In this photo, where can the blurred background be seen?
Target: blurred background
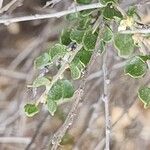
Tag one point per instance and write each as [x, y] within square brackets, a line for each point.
[20, 44]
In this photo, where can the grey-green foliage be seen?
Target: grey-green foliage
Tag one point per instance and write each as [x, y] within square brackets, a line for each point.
[83, 31]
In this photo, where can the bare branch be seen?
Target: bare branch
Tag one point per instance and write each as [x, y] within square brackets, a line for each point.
[7, 21]
[141, 31]
[106, 102]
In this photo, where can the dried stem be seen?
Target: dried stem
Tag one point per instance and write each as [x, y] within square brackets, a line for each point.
[7, 21]
[69, 120]
[106, 102]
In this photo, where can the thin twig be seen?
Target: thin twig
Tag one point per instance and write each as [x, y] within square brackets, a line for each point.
[69, 120]
[7, 21]
[142, 31]
[106, 102]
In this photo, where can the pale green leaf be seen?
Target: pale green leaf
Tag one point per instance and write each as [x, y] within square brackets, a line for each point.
[83, 1]
[31, 110]
[75, 72]
[136, 67]
[42, 61]
[57, 51]
[144, 95]
[110, 12]
[77, 35]
[60, 90]
[106, 34]
[124, 44]
[65, 37]
[89, 40]
[52, 106]
[40, 81]
[108, 1]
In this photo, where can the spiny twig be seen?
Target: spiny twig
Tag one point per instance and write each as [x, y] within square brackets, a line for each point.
[7, 21]
[105, 98]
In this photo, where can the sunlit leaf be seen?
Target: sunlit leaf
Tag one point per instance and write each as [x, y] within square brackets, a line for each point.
[110, 12]
[124, 44]
[108, 1]
[83, 1]
[106, 34]
[31, 110]
[77, 35]
[40, 81]
[57, 51]
[52, 106]
[60, 90]
[65, 37]
[84, 56]
[89, 40]
[136, 67]
[42, 61]
[144, 95]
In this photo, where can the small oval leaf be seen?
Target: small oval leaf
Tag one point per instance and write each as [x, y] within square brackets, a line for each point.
[65, 37]
[42, 61]
[31, 110]
[89, 40]
[144, 95]
[52, 106]
[124, 44]
[110, 12]
[40, 81]
[77, 35]
[136, 67]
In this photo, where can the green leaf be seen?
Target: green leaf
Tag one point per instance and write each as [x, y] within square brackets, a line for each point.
[89, 40]
[106, 34]
[144, 95]
[42, 61]
[68, 89]
[31, 110]
[83, 1]
[108, 1]
[77, 35]
[60, 90]
[65, 37]
[86, 13]
[131, 11]
[40, 81]
[145, 57]
[84, 56]
[52, 106]
[84, 22]
[57, 51]
[76, 68]
[72, 16]
[75, 72]
[110, 12]
[136, 67]
[124, 44]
